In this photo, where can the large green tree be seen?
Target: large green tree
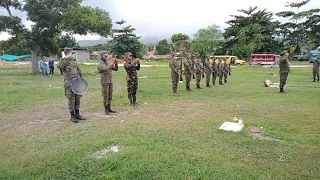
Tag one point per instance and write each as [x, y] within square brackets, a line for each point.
[181, 43]
[51, 18]
[303, 27]
[163, 47]
[125, 41]
[252, 32]
[206, 41]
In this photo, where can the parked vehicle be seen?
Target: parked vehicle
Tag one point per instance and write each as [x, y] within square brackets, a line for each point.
[233, 60]
[263, 59]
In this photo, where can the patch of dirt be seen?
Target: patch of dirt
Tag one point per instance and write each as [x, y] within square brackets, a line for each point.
[44, 121]
[255, 133]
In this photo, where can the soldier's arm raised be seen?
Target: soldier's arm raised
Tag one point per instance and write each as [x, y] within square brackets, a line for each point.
[138, 66]
[102, 67]
[62, 64]
[115, 66]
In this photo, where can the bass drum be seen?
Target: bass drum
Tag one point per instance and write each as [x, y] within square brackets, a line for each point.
[79, 86]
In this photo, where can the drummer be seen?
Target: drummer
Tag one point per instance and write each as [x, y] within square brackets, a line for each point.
[71, 71]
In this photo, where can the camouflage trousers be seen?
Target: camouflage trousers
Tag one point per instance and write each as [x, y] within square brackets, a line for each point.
[208, 76]
[220, 76]
[225, 76]
[198, 78]
[283, 79]
[214, 77]
[107, 89]
[175, 81]
[315, 74]
[132, 86]
[73, 99]
[188, 79]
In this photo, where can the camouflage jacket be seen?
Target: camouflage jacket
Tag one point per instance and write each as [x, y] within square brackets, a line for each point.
[198, 66]
[187, 68]
[105, 69]
[226, 67]
[221, 67]
[174, 67]
[284, 64]
[70, 70]
[132, 68]
[191, 64]
[208, 66]
[316, 63]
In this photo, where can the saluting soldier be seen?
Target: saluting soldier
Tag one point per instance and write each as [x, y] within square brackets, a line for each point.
[284, 70]
[175, 72]
[198, 71]
[71, 71]
[208, 70]
[132, 66]
[315, 72]
[187, 73]
[105, 68]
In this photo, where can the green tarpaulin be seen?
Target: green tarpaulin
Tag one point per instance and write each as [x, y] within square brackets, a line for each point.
[8, 57]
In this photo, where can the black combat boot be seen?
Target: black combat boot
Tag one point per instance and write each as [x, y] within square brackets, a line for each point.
[73, 117]
[225, 81]
[78, 116]
[282, 91]
[110, 110]
[106, 109]
[188, 89]
[314, 79]
[208, 86]
[317, 80]
[213, 83]
[220, 83]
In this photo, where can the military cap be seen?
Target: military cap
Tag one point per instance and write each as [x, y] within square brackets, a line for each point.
[282, 53]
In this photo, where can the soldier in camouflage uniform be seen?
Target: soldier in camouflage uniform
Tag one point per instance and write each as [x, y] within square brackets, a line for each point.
[175, 72]
[198, 71]
[105, 69]
[132, 66]
[214, 66]
[187, 73]
[71, 71]
[315, 72]
[227, 70]
[284, 70]
[220, 70]
[208, 70]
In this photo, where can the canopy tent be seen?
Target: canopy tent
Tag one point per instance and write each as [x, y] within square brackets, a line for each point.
[8, 57]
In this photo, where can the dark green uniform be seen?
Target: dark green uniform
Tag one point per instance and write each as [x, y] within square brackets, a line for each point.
[105, 69]
[187, 73]
[71, 71]
[315, 69]
[284, 70]
[131, 68]
[198, 72]
[174, 65]
[208, 71]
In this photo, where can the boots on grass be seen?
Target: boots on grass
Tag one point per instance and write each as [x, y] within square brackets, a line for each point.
[282, 91]
[110, 110]
[106, 109]
[220, 83]
[208, 86]
[73, 117]
[78, 116]
[225, 81]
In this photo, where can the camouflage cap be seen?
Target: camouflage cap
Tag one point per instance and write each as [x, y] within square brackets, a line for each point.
[128, 54]
[282, 53]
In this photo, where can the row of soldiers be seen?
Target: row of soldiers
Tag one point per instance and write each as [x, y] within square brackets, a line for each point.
[194, 66]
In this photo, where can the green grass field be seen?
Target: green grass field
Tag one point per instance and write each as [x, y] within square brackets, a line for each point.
[165, 136]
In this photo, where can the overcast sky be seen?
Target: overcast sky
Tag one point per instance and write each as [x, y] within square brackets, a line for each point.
[166, 17]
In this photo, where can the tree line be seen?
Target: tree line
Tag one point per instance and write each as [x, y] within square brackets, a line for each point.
[250, 32]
